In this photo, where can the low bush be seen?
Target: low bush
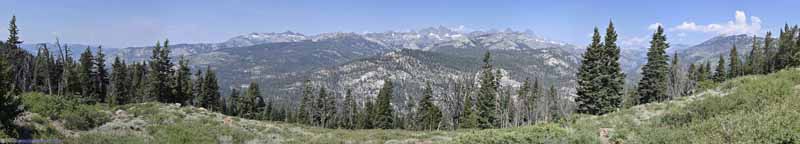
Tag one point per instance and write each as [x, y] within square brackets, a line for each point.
[47, 105]
[85, 117]
[548, 133]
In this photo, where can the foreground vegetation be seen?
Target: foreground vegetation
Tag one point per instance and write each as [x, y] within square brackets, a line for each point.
[750, 109]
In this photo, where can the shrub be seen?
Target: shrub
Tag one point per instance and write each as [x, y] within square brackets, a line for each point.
[47, 105]
[549, 133]
[85, 117]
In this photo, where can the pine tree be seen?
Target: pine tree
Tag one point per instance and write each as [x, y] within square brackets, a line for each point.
[10, 105]
[18, 59]
[678, 85]
[248, 104]
[41, 73]
[766, 61]
[86, 76]
[588, 87]
[430, 114]
[783, 57]
[139, 82]
[734, 67]
[553, 109]
[384, 117]
[305, 104]
[487, 94]
[101, 77]
[524, 94]
[653, 86]
[234, 104]
[719, 73]
[707, 75]
[367, 115]
[350, 110]
[183, 82]
[469, 118]
[754, 60]
[612, 79]
[197, 89]
[210, 92]
[327, 108]
[120, 85]
[160, 76]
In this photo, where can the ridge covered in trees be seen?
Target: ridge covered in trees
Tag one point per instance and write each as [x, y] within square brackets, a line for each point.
[481, 102]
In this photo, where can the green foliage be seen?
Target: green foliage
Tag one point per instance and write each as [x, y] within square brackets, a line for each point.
[735, 66]
[302, 114]
[183, 82]
[720, 73]
[384, 117]
[85, 117]
[430, 113]
[101, 81]
[10, 105]
[653, 85]
[210, 92]
[537, 134]
[487, 96]
[120, 86]
[47, 105]
[600, 78]
[469, 118]
[86, 77]
[160, 76]
[102, 137]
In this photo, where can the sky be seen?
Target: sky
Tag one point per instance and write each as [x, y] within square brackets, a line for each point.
[123, 23]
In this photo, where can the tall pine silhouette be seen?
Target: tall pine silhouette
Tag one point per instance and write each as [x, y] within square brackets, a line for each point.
[653, 85]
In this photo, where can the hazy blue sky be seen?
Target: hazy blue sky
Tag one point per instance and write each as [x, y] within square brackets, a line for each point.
[122, 23]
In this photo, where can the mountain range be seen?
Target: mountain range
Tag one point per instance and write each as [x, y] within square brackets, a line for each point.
[280, 62]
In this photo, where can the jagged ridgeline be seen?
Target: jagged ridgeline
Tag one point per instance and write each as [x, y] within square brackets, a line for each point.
[281, 61]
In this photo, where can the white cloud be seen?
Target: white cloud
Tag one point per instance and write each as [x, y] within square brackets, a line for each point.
[654, 26]
[635, 42]
[738, 26]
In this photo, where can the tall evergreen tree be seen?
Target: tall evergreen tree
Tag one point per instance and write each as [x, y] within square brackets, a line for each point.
[101, 76]
[755, 59]
[587, 90]
[160, 76]
[553, 106]
[469, 118]
[612, 79]
[783, 57]
[248, 104]
[720, 74]
[234, 104]
[653, 86]
[327, 108]
[183, 81]
[350, 110]
[766, 62]
[735, 66]
[197, 88]
[139, 82]
[430, 114]
[210, 93]
[120, 85]
[86, 76]
[18, 59]
[42, 70]
[10, 105]
[305, 104]
[487, 96]
[524, 94]
[384, 117]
